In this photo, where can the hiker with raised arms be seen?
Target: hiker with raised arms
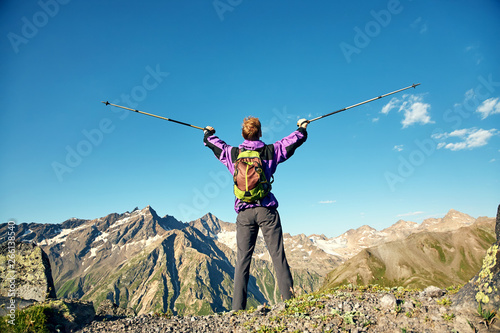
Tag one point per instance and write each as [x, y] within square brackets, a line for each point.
[252, 165]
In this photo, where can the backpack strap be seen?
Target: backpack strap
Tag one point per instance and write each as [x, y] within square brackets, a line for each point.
[235, 151]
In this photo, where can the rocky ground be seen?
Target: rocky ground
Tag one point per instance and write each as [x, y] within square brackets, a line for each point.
[346, 309]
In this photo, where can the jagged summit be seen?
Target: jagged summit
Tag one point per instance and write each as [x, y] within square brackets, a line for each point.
[401, 224]
[456, 216]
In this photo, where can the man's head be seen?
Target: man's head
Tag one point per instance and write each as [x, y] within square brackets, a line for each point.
[251, 129]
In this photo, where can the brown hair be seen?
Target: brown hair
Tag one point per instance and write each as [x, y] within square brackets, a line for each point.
[251, 129]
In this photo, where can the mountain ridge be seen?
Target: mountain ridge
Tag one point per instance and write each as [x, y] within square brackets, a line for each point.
[421, 259]
[151, 263]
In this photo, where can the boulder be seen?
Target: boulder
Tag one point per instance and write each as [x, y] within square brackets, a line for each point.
[433, 291]
[69, 315]
[388, 301]
[108, 309]
[25, 272]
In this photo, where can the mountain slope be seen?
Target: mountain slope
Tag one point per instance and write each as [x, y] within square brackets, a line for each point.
[420, 260]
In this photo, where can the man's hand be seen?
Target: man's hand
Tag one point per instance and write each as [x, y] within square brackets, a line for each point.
[302, 123]
[209, 130]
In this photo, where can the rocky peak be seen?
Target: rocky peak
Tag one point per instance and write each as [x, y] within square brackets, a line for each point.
[430, 222]
[458, 217]
[365, 228]
[148, 210]
[402, 224]
[208, 225]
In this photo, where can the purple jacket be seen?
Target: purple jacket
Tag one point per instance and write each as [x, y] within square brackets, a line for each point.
[271, 155]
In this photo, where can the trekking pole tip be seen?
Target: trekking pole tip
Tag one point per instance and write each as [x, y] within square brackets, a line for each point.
[107, 103]
[415, 85]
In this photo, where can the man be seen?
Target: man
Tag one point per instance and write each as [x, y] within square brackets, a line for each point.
[261, 213]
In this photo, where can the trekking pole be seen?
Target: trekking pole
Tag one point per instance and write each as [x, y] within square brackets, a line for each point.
[153, 115]
[370, 100]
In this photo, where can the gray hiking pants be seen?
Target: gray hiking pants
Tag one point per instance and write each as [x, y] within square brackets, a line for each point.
[247, 229]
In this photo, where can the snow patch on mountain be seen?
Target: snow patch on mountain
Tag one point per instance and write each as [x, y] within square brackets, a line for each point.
[143, 242]
[102, 237]
[26, 233]
[61, 236]
[330, 245]
[227, 238]
[93, 251]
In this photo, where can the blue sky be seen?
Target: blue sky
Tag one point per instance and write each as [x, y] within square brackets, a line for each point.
[409, 156]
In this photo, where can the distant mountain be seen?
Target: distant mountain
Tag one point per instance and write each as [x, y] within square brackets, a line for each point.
[150, 263]
[353, 241]
[424, 258]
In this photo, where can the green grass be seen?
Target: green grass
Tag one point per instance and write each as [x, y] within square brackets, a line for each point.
[34, 319]
[205, 309]
[440, 251]
[444, 301]
[488, 316]
[448, 316]
[69, 287]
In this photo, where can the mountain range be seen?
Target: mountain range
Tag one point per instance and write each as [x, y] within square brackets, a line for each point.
[150, 263]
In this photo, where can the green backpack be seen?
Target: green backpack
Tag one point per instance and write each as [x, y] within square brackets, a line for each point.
[250, 183]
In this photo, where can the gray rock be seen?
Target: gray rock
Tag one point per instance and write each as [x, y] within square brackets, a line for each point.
[433, 291]
[25, 270]
[19, 303]
[408, 306]
[108, 309]
[388, 301]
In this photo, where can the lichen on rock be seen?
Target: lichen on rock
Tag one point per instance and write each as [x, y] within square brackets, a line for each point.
[25, 270]
[485, 280]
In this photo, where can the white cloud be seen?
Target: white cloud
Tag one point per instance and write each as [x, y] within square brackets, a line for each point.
[398, 147]
[459, 133]
[374, 120]
[414, 109]
[489, 107]
[438, 136]
[389, 106]
[327, 201]
[470, 138]
[416, 112]
[409, 214]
